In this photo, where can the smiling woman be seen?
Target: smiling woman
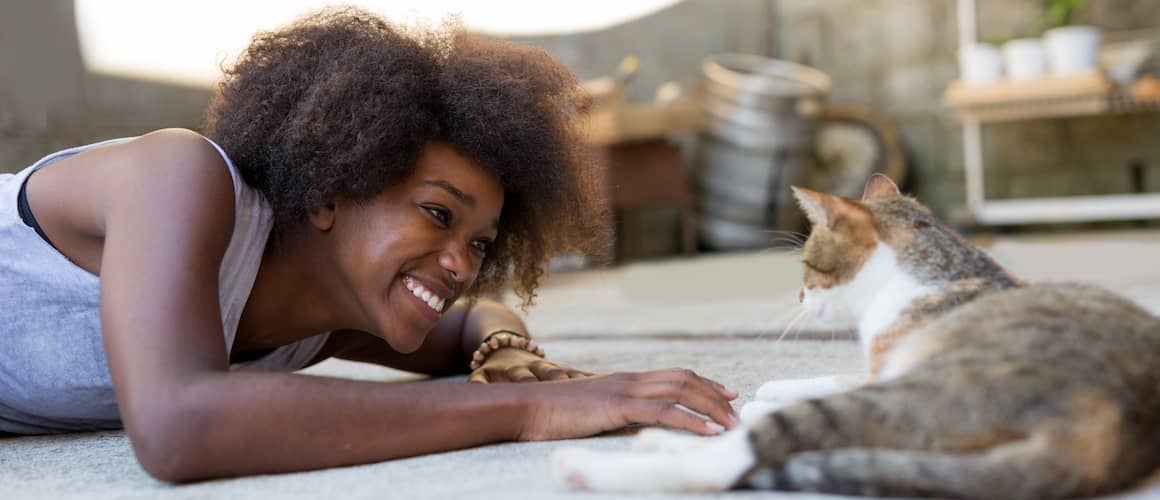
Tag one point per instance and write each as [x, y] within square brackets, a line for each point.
[356, 189]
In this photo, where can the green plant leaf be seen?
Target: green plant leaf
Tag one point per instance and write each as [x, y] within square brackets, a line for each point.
[1061, 12]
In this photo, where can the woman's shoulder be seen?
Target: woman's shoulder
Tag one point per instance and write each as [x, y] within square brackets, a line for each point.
[167, 184]
[173, 173]
[176, 148]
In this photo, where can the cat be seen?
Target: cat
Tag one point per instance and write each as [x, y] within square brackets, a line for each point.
[979, 385]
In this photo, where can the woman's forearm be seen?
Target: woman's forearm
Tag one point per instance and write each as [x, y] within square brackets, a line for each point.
[235, 424]
[448, 347]
[483, 318]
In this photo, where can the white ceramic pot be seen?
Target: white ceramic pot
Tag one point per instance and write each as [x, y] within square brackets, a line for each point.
[980, 63]
[1072, 50]
[1023, 59]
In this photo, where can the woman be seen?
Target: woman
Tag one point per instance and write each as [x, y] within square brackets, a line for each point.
[355, 187]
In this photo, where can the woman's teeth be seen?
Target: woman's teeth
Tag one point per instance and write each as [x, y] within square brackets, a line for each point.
[433, 301]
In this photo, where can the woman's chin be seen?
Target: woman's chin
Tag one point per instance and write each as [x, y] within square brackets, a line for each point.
[406, 345]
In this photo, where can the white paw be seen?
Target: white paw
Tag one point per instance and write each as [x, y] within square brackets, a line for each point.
[598, 470]
[794, 390]
[755, 410]
[568, 465]
[663, 441]
[785, 390]
[715, 465]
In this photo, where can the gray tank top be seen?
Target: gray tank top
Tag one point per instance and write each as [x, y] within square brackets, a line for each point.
[53, 372]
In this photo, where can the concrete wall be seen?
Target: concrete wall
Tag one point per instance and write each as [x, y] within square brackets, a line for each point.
[894, 55]
[48, 101]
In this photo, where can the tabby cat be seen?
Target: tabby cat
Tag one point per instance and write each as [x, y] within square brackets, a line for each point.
[979, 385]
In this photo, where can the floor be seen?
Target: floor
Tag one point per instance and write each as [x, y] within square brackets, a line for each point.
[729, 317]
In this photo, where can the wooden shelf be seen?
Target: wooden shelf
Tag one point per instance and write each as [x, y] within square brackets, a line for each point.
[1087, 94]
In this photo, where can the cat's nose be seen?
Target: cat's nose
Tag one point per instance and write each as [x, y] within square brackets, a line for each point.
[801, 295]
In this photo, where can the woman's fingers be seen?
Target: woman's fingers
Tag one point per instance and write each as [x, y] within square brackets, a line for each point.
[697, 396]
[549, 371]
[574, 373]
[477, 377]
[521, 374]
[729, 394]
[681, 373]
[686, 381]
[658, 412]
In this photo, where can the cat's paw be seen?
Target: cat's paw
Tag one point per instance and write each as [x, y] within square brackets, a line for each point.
[783, 391]
[664, 441]
[599, 470]
[716, 465]
[755, 410]
[568, 466]
[794, 390]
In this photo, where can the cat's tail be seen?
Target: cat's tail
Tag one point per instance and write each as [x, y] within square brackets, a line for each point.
[1029, 468]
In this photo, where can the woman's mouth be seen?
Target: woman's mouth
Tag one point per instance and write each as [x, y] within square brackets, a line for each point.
[433, 301]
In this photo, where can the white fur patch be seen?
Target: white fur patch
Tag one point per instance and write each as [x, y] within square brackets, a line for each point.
[777, 394]
[716, 465]
[874, 298]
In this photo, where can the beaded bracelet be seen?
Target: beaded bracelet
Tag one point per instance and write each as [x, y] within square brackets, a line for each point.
[500, 339]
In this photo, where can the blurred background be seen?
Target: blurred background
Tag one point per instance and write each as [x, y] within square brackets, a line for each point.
[1003, 116]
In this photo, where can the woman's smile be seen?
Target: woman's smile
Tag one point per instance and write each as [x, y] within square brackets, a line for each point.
[427, 298]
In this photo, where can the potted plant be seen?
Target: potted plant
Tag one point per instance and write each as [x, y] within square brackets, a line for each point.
[1071, 49]
[980, 63]
[1024, 59]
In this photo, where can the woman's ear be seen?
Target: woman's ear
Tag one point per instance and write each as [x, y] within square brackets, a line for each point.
[322, 218]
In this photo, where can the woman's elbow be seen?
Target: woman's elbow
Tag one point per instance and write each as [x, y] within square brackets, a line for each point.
[170, 444]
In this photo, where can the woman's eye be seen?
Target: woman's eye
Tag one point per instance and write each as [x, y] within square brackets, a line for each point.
[481, 245]
[441, 215]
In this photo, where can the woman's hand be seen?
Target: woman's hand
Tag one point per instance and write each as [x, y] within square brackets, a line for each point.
[577, 408]
[517, 365]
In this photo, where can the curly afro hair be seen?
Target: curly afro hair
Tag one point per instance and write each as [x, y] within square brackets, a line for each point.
[341, 103]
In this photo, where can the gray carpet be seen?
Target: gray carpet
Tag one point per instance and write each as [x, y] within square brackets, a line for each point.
[102, 466]
[720, 315]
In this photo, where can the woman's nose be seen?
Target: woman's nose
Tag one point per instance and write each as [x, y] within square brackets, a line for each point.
[456, 260]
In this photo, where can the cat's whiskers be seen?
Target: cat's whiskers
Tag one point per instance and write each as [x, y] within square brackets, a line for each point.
[794, 238]
[801, 313]
[778, 319]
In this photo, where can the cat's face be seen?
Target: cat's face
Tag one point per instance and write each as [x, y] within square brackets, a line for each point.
[843, 238]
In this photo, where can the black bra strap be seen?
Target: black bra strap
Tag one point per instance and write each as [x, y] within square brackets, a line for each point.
[26, 212]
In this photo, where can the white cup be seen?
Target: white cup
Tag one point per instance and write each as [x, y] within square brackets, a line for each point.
[1024, 59]
[980, 63]
[1072, 50]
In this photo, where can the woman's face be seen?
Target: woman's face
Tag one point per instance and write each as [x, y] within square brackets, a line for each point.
[410, 253]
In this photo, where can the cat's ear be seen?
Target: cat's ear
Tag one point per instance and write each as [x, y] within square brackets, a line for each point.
[878, 187]
[827, 210]
[818, 207]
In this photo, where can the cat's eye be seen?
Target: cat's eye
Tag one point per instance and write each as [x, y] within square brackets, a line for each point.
[815, 267]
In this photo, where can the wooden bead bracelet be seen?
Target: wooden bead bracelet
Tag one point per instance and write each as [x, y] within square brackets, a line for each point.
[501, 339]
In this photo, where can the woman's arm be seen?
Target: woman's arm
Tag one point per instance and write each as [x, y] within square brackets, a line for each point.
[447, 348]
[168, 218]
[187, 416]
